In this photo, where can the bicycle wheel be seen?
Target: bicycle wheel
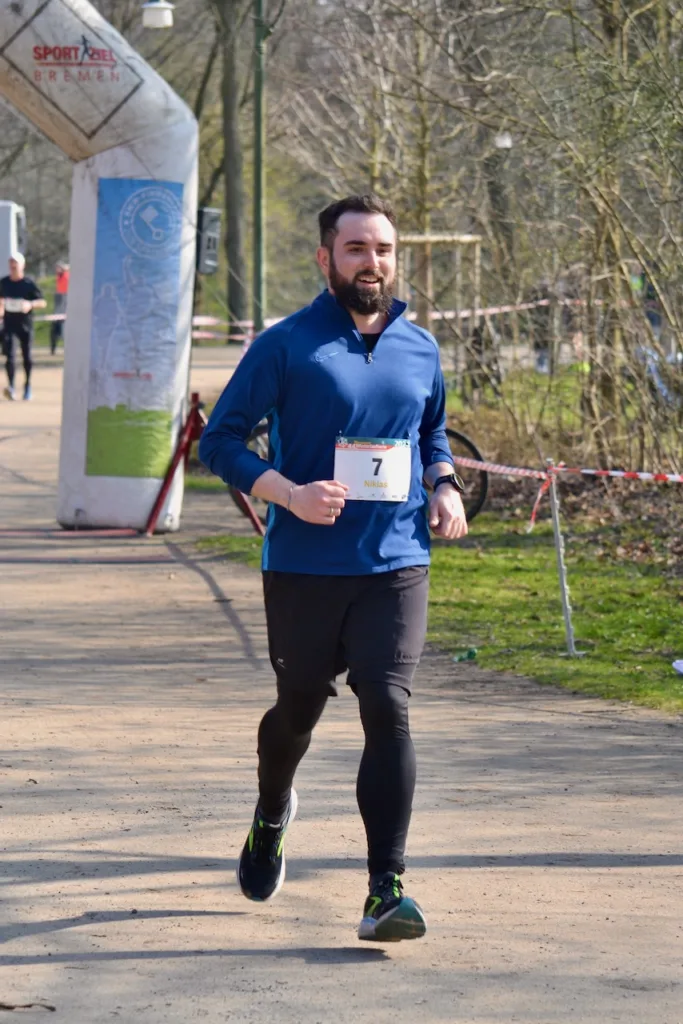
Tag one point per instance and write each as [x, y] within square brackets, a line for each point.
[476, 480]
[257, 442]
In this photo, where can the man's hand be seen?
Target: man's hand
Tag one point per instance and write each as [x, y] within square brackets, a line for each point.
[321, 502]
[26, 306]
[447, 513]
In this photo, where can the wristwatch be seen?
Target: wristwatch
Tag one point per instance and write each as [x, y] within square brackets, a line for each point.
[453, 479]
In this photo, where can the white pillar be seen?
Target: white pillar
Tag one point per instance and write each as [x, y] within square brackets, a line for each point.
[132, 253]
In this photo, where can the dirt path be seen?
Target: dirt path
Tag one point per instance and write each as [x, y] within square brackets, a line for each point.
[546, 846]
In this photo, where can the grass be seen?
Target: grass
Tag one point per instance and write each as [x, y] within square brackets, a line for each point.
[204, 484]
[498, 591]
[238, 549]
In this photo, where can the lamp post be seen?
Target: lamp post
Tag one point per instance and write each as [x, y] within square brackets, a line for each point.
[157, 14]
[259, 279]
[499, 196]
[498, 192]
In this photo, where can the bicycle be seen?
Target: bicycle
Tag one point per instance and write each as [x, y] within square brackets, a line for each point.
[476, 480]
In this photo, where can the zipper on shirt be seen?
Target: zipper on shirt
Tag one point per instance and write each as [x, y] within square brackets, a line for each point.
[366, 351]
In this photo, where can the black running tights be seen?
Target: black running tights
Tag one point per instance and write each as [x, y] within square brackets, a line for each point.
[386, 777]
[25, 340]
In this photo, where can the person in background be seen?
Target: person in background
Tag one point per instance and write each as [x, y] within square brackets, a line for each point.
[19, 296]
[61, 290]
[540, 323]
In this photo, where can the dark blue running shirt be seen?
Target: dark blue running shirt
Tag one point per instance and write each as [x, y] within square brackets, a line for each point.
[312, 376]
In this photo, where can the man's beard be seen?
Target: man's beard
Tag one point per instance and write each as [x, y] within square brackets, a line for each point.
[360, 300]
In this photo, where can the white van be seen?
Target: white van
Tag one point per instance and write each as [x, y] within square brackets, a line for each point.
[12, 232]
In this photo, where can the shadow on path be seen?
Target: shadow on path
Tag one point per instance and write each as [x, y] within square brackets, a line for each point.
[9, 932]
[323, 955]
[222, 599]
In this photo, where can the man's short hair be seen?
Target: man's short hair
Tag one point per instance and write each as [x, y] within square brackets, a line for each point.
[19, 258]
[369, 203]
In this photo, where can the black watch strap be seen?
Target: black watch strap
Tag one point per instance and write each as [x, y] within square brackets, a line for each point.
[453, 479]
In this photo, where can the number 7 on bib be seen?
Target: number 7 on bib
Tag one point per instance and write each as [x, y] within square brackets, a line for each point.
[373, 468]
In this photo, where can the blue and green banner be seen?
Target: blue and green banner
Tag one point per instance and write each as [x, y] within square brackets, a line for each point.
[136, 293]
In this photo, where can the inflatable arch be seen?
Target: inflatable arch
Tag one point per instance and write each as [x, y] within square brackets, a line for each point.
[132, 253]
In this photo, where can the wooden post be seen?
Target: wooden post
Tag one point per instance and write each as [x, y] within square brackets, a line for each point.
[477, 283]
[457, 344]
[423, 283]
[401, 274]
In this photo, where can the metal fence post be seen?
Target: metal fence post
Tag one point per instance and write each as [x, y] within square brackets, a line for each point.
[561, 567]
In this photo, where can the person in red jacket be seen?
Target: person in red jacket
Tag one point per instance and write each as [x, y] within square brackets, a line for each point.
[61, 290]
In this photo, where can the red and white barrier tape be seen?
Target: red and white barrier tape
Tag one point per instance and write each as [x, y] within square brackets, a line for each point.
[623, 474]
[545, 475]
[494, 467]
[201, 320]
[543, 489]
[541, 474]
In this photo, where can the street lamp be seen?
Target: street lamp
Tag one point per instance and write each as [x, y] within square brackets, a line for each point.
[496, 168]
[157, 14]
[261, 33]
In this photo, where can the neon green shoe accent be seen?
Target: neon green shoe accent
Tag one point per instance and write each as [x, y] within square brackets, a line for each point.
[372, 906]
[261, 866]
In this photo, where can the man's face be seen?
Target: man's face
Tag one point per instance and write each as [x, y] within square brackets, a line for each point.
[16, 270]
[362, 265]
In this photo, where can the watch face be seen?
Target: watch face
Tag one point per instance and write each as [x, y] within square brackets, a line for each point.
[454, 480]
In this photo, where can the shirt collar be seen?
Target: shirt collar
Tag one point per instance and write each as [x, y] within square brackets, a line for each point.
[327, 301]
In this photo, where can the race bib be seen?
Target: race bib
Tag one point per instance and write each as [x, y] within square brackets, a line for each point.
[373, 468]
[14, 305]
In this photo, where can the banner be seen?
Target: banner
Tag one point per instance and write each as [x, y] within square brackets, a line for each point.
[133, 340]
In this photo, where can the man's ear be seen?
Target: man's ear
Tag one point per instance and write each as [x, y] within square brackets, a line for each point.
[323, 260]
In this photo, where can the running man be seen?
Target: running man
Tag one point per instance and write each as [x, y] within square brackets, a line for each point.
[355, 400]
[19, 296]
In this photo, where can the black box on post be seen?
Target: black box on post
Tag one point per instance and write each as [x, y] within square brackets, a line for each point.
[208, 239]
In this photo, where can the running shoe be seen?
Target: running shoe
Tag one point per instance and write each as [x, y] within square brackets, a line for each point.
[261, 870]
[10, 393]
[389, 915]
[27, 393]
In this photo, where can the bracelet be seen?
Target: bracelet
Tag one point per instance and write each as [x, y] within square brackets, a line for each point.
[289, 499]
